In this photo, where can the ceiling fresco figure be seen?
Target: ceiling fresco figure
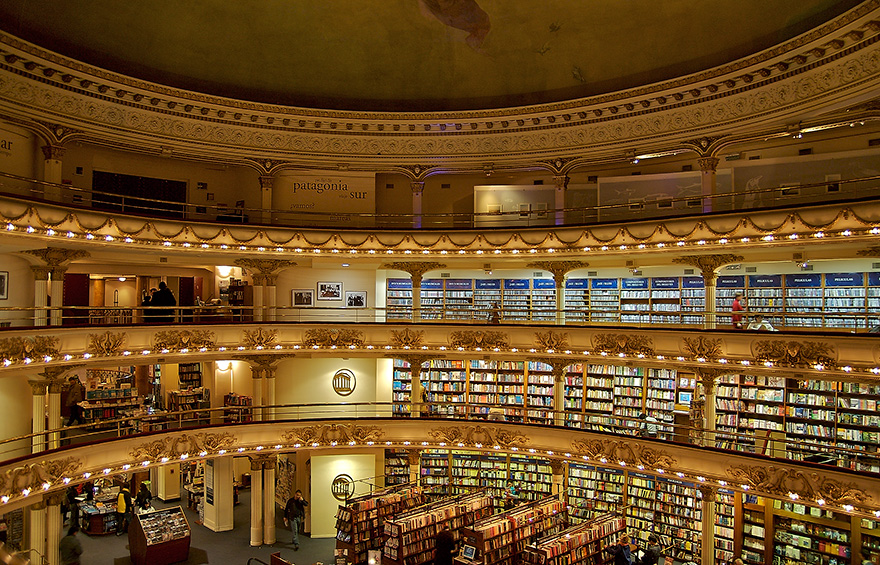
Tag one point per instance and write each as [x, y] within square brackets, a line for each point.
[461, 14]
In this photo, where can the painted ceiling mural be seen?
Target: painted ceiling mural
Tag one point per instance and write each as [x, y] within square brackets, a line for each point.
[410, 55]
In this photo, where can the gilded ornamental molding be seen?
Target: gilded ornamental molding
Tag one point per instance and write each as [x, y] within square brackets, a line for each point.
[54, 257]
[106, 344]
[551, 341]
[479, 436]
[327, 434]
[183, 339]
[407, 338]
[474, 339]
[416, 269]
[795, 353]
[173, 446]
[329, 337]
[702, 347]
[709, 263]
[260, 338]
[615, 344]
[33, 476]
[627, 451]
[810, 486]
[18, 349]
[558, 268]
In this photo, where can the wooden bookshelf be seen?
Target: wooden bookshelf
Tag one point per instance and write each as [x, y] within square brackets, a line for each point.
[583, 543]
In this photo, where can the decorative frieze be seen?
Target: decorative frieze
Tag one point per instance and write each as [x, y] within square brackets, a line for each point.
[106, 344]
[702, 347]
[795, 353]
[19, 348]
[473, 339]
[407, 338]
[629, 452]
[329, 337]
[627, 344]
[558, 268]
[34, 475]
[327, 434]
[260, 338]
[809, 486]
[479, 436]
[172, 447]
[551, 341]
[183, 339]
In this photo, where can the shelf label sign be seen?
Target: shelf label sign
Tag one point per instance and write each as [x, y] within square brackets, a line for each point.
[577, 283]
[459, 284]
[209, 481]
[803, 280]
[603, 283]
[664, 282]
[488, 284]
[758, 281]
[516, 284]
[432, 284]
[873, 279]
[844, 279]
[396, 284]
[543, 283]
[635, 283]
[734, 281]
[692, 282]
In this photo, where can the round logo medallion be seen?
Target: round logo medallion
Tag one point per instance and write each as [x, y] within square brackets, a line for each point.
[344, 382]
[342, 487]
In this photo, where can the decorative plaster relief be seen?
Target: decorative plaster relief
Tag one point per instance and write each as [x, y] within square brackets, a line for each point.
[784, 481]
[476, 436]
[173, 446]
[326, 434]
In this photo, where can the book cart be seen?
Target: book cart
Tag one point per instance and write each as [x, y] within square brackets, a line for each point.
[360, 524]
[581, 544]
[160, 537]
[410, 535]
[499, 539]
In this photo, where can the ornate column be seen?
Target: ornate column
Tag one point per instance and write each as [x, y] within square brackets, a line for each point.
[559, 269]
[418, 187]
[709, 265]
[38, 426]
[37, 527]
[269, 500]
[561, 183]
[265, 275]
[708, 181]
[54, 261]
[269, 373]
[416, 270]
[52, 154]
[707, 543]
[558, 468]
[558, 371]
[54, 410]
[413, 457]
[54, 521]
[256, 501]
[257, 391]
[57, 293]
[415, 395]
[41, 295]
[267, 183]
[708, 380]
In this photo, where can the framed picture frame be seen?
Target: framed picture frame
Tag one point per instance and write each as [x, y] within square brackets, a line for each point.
[329, 291]
[4, 285]
[302, 297]
[356, 299]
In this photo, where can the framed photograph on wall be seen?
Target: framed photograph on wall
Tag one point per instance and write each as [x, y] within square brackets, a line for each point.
[302, 297]
[356, 299]
[4, 285]
[329, 291]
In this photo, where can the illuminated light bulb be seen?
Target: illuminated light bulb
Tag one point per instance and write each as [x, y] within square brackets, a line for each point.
[848, 507]
[793, 495]
[819, 234]
[793, 236]
[30, 229]
[533, 250]
[846, 232]
[821, 502]
[50, 231]
[224, 246]
[70, 234]
[167, 244]
[661, 245]
[126, 467]
[145, 463]
[723, 240]
[680, 244]
[10, 227]
[701, 242]
[90, 236]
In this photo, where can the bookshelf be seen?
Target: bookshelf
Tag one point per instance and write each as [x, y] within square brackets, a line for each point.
[543, 306]
[110, 403]
[641, 494]
[487, 292]
[660, 399]
[190, 399]
[604, 300]
[239, 411]
[434, 471]
[726, 288]
[539, 393]
[432, 299]
[804, 534]
[401, 388]
[678, 517]
[501, 539]
[360, 524]
[754, 523]
[845, 294]
[693, 299]
[398, 299]
[189, 375]
[516, 301]
[396, 467]
[464, 472]
[725, 526]
[764, 295]
[532, 476]
[592, 491]
[446, 383]
[635, 301]
[629, 392]
[160, 536]
[580, 544]
[666, 300]
[458, 299]
[577, 300]
[804, 294]
[410, 535]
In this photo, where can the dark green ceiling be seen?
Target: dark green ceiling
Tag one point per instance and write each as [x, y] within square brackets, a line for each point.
[409, 55]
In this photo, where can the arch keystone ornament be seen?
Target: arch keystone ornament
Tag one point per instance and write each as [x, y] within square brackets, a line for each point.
[260, 338]
[106, 344]
[631, 453]
[174, 446]
[483, 435]
[472, 339]
[407, 338]
[784, 481]
[795, 353]
[615, 344]
[183, 339]
[339, 337]
[326, 434]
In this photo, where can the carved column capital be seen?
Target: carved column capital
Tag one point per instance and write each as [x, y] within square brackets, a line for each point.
[39, 388]
[56, 386]
[708, 264]
[708, 492]
[260, 462]
[267, 181]
[262, 268]
[416, 269]
[708, 164]
[58, 273]
[561, 181]
[53, 152]
[413, 456]
[417, 187]
[558, 269]
[54, 257]
[55, 498]
[41, 273]
[258, 279]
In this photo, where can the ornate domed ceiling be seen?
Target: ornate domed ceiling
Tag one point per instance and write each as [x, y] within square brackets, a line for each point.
[410, 55]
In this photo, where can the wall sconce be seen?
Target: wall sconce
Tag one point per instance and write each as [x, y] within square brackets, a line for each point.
[224, 271]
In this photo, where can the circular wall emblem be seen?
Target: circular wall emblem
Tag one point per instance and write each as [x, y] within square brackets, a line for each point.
[342, 487]
[344, 382]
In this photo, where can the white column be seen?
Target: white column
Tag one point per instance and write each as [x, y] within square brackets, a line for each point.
[258, 303]
[708, 182]
[257, 391]
[57, 294]
[52, 171]
[559, 395]
[709, 280]
[708, 381]
[271, 298]
[218, 513]
[707, 543]
[417, 297]
[561, 182]
[417, 189]
[54, 411]
[37, 527]
[560, 299]
[266, 184]
[41, 295]
[269, 502]
[54, 523]
[38, 410]
[269, 413]
[256, 503]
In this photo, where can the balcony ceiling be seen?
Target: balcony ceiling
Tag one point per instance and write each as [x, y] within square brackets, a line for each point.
[407, 55]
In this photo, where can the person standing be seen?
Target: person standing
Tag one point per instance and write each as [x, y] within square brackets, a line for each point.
[75, 395]
[495, 314]
[622, 551]
[123, 511]
[164, 297]
[444, 546]
[652, 552]
[648, 427]
[736, 309]
[294, 515]
[70, 548]
[144, 498]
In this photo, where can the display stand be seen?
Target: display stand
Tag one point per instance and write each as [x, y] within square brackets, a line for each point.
[98, 520]
[160, 537]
